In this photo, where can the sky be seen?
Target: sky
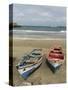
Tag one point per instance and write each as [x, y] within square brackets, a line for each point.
[37, 15]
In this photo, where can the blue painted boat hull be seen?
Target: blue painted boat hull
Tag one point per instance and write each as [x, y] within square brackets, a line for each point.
[52, 67]
[25, 75]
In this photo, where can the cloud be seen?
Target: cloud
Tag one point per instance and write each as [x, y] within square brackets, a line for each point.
[45, 14]
[39, 15]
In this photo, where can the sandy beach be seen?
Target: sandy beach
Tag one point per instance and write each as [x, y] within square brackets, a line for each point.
[43, 75]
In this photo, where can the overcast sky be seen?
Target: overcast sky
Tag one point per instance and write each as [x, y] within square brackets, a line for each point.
[35, 15]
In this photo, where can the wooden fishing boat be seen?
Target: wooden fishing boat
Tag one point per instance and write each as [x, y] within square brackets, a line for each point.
[55, 58]
[29, 63]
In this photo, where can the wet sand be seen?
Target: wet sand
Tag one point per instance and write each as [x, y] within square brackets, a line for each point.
[43, 75]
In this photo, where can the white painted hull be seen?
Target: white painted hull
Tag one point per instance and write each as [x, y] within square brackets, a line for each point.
[29, 70]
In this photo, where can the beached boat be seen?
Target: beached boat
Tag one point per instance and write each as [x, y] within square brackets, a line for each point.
[29, 63]
[55, 58]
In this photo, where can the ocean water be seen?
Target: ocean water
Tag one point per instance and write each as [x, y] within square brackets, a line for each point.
[39, 32]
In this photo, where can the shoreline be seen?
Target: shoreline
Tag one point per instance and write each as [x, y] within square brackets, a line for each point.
[21, 38]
